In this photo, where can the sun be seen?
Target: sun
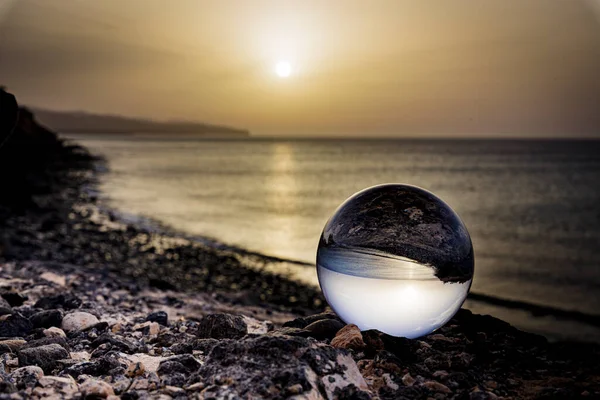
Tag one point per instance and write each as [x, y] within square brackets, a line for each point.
[283, 69]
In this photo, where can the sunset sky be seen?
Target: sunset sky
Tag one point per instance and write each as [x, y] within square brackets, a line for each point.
[356, 68]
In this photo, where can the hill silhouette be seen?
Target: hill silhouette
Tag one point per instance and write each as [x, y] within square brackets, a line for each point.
[83, 122]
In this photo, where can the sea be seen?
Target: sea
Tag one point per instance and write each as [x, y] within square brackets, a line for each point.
[532, 207]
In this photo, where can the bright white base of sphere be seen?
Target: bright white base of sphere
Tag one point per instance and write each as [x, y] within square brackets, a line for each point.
[407, 308]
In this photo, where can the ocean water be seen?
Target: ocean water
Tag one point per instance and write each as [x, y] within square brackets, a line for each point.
[532, 207]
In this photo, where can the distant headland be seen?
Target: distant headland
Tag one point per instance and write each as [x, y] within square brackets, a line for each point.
[83, 122]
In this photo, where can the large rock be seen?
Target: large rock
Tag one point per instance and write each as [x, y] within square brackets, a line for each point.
[46, 319]
[66, 301]
[276, 367]
[222, 326]
[26, 376]
[45, 357]
[14, 325]
[324, 328]
[78, 321]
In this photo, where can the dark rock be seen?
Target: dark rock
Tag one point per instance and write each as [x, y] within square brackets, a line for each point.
[222, 326]
[188, 364]
[118, 344]
[351, 392]
[66, 301]
[295, 323]
[45, 357]
[99, 327]
[61, 341]
[176, 379]
[324, 328]
[5, 311]
[130, 395]
[14, 299]
[182, 348]
[15, 325]
[405, 349]
[108, 364]
[160, 317]
[303, 322]
[170, 367]
[372, 338]
[46, 319]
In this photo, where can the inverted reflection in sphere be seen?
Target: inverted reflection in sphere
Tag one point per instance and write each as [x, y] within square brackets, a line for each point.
[395, 258]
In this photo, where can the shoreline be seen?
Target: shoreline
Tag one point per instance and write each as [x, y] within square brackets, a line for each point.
[296, 270]
[93, 308]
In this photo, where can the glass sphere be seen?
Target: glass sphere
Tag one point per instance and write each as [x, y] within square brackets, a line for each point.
[395, 258]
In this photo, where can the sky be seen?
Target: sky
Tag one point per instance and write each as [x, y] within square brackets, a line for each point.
[449, 68]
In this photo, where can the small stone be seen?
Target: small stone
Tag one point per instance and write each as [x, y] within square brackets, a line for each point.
[54, 278]
[14, 325]
[439, 337]
[140, 384]
[95, 388]
[294, 389]
[408, 380]
[27, 375]
[148, 328]
[160, 317]
[78, 321]
[222, 326]
[196, 387]
[173, 391]
[65, 386]
[45, 357]
[135, 369]
[80, 356]
[54, 332]
[436, 387]
[11, 345]
[150, 363]
[491, 384]
[349, 337]
[324, 328]
[387, 378]
[46, 319]
[441, 374]
[120, 383]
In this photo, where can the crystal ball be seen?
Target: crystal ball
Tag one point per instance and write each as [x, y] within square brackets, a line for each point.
[395, 258]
